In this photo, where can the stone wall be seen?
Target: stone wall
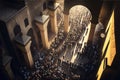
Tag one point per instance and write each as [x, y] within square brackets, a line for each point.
[18, 19]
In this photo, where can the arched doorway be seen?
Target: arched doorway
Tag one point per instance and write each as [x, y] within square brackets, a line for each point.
[80, 25]
[79, 20]
[79, 15]
[17, 30]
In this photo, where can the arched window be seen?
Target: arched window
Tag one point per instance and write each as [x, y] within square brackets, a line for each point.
[17, 30]
[79, 16]
[79, 19]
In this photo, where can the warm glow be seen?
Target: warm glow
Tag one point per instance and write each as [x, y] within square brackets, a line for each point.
[111, 50]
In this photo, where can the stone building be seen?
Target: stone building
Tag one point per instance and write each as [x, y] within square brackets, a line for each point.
[29, 26]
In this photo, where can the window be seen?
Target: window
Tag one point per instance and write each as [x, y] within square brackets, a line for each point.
[17, 30]
[26, 22]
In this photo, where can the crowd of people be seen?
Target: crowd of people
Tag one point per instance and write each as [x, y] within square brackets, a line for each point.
[49, 66]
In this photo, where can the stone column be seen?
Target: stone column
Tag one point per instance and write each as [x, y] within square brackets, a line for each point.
[53, 17]
[66, 23]
[24, 42]
[42, 23]
[27, 54]
[91, 34]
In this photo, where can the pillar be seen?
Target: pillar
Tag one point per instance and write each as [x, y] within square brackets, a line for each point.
[53, 17]
[66, 23]
[91, 34]
[23, 43]
[42, 23]
[27, 54]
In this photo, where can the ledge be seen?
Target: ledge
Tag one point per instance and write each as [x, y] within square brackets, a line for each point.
[22, 39]
[42, 19]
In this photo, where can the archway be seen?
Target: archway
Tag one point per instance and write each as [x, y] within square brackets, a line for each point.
[17, 30]
[80, 24]
[79, 20]
[79, 16]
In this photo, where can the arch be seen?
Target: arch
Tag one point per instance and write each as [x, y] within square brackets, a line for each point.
[78, 15]
[17, 30]
[26, 22]
[91, 5]
[80, 24]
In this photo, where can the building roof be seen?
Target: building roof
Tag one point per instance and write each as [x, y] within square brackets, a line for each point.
[8, 11]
